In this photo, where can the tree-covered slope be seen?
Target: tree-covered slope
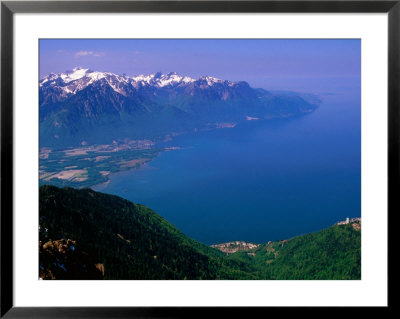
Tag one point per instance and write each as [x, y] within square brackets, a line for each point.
[123, 240]
[332, 253]
[131, 241]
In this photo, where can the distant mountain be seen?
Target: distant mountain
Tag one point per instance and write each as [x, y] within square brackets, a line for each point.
[89, 235]
[90, 107]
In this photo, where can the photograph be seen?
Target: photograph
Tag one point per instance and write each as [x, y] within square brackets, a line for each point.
[199, 159]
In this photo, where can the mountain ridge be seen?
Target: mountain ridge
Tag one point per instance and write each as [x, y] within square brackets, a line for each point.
[77, 79]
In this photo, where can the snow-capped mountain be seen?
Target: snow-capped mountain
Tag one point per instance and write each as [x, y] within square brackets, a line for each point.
[71, 82]
[98, 107]
[161, 80]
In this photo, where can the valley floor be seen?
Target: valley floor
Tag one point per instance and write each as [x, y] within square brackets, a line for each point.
[87, 166]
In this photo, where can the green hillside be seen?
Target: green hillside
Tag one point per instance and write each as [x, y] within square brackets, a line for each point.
[117, 239]
[332, 253]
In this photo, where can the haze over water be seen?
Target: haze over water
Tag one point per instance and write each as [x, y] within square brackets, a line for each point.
[260, 181]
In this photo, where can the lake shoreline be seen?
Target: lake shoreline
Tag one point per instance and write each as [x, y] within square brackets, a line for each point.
[234, 184]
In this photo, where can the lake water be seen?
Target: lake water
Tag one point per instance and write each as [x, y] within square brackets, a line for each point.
[260, 181]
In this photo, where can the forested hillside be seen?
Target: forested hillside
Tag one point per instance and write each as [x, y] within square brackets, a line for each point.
[117, 239]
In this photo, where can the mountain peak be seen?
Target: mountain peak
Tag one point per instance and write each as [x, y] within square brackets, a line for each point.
[75, 74]
[211, 80]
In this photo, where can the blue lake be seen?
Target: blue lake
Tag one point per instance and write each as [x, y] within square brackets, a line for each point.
[260, 181]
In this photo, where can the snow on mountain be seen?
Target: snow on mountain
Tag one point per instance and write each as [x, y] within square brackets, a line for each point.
[211, 80]
[70, 82]
[77, 73]
[173, 78]
[161, 80]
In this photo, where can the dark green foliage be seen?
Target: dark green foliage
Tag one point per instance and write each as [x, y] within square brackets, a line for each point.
[133, 242]
[130, 240]
[333, 253]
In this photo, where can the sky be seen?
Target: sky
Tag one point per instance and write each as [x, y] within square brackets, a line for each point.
[303, 65]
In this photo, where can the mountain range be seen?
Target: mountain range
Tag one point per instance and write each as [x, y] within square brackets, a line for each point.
[85, 107]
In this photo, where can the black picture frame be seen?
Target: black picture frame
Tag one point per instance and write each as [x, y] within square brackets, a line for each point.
[9, 8]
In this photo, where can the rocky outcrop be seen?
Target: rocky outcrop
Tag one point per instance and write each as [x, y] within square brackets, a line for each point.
[63, 259]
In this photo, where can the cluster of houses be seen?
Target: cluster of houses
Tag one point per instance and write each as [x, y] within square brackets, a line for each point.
[349, 221]
[234, 246]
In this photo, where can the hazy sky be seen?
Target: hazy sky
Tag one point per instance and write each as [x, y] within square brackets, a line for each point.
[322, 66]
